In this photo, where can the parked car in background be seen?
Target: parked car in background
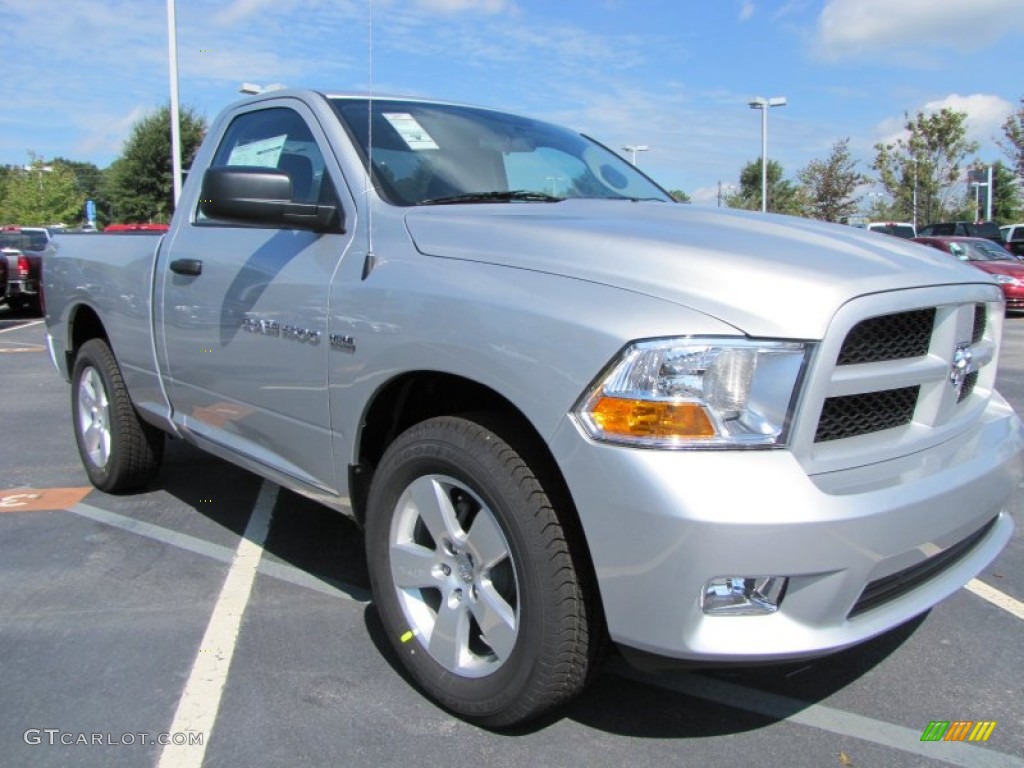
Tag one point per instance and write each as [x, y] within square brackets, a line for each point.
[1007, 270]
[1013, 238]
[24, 249]
[3, 277]
[902, 229]
[987, 229]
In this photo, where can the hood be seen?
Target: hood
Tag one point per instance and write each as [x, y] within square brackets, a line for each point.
[767, 275]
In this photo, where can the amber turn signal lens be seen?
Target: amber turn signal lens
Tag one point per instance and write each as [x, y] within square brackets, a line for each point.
[644, 418]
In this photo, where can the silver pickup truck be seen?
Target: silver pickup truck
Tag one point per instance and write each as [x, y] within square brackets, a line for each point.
[565, 408]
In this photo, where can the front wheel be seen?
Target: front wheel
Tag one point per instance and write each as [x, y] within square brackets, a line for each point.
[475, 576]
[119, 451]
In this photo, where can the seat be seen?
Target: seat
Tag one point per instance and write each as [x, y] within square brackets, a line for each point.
[300, 171]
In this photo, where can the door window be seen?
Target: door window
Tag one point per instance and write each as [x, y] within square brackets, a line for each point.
[278, 138]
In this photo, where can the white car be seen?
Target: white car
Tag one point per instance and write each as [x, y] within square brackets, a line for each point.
[1013, 237]
[902, 229]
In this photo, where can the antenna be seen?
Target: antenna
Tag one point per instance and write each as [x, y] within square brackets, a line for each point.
[371, 259]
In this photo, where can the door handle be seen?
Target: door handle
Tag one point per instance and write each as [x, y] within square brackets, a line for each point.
[191, 267]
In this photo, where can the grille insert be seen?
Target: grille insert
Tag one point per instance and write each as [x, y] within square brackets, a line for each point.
[969, 381]
[852, 415]
[881, 591]
[889, 337]
[980, 318]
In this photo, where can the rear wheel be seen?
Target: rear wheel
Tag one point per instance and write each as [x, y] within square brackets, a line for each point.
[118, 450]
[474, 576]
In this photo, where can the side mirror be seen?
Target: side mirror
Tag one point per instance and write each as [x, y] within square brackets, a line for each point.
[257, 195]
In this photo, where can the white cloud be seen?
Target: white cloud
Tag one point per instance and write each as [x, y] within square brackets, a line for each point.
[709, 195]
[105, 132]
[985, 113]
[848, 28]
[985, 116]
[747, 11]
[242, 9]
[457, 6]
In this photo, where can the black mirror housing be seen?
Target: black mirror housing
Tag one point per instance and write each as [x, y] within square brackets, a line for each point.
[257, 195]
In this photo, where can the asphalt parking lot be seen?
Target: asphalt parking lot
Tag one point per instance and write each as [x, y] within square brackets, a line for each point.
[130, 620]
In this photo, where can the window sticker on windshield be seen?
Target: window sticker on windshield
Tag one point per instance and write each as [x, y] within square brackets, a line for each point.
[263, 153]
[413, 134]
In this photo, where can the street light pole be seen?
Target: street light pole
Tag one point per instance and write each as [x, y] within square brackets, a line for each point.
[760, 102]
[723, 188]
[974, 179]
[988, 197]
[172, 57]
[634, 148]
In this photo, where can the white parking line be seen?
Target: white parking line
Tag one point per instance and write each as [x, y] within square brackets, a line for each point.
[821, 717]
[197, 709]
[19, 327]
[280, 571]
[997, 598]
[710, 689]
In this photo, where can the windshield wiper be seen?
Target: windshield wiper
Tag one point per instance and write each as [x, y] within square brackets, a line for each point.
[512, 195]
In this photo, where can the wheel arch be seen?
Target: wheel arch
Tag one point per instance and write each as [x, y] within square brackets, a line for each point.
[416, 396]
[83, 325]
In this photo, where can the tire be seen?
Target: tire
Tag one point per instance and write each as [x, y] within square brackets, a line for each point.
[478, 583]
[118, 450]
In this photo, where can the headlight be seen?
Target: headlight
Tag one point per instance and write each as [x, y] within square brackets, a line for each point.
[1005, 280]
[696, 393]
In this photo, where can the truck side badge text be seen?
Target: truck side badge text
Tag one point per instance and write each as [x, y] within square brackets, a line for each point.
[283, 330]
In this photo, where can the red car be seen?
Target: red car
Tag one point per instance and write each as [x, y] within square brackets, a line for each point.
[986, 255]
[136, 228]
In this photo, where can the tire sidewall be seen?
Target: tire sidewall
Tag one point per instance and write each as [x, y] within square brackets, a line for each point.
[90, 357]
[414, 456]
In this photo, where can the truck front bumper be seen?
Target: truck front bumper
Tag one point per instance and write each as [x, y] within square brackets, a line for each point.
[863, 550]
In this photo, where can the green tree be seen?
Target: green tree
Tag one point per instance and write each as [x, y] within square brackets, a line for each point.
[40, 194]
[1006, 195]
[6, 171]
[1013, 146]
[138, 185]
[87, 176]
[679, 196]
[830, 185]
[88, 181]
[783, 195]
[922, 170]
[882, 208]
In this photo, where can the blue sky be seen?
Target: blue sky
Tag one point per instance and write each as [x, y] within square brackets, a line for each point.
[673, 75]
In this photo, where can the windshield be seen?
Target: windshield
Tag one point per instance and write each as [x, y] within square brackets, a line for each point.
[980, 250]
[985, 229]
[23, 241]
[431, 154]
[896, 230]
